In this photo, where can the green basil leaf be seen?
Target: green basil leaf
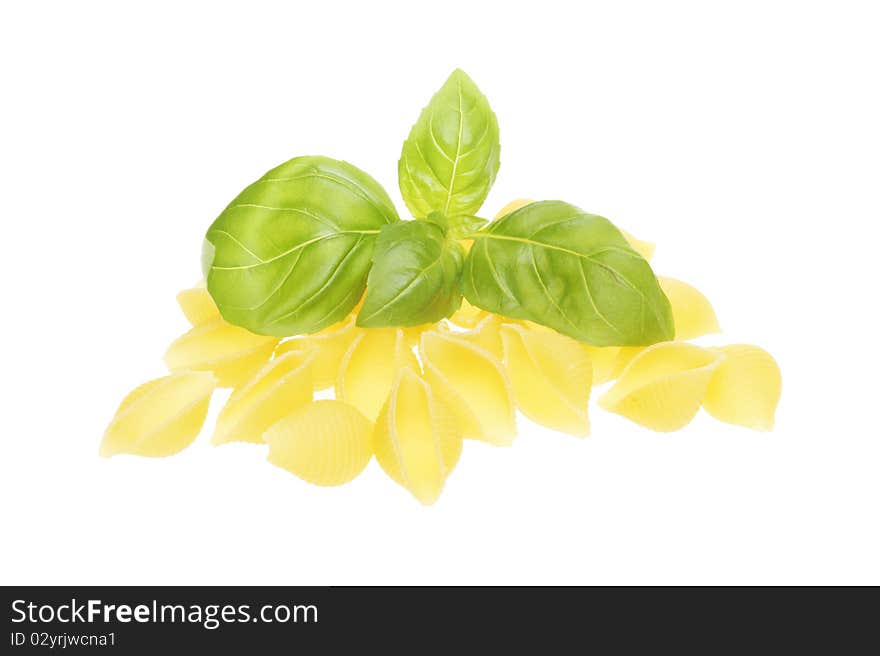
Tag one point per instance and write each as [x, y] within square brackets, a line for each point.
[553, 264]
[290, 255]
[415, 276]
[451, 157]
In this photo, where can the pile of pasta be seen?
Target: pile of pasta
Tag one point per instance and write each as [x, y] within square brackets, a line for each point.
[410, 396]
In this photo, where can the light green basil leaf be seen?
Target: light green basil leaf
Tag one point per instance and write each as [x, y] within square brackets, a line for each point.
[415, 276]
[451, 157]
[290, 255]
[458, 226]
[553, 264]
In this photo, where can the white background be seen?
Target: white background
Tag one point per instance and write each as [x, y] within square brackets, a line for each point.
[744, 138]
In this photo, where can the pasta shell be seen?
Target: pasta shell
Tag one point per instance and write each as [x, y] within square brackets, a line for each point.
[486, 334]
[467, 315]
[368, 367]
[326, 442]
[692, 312]
[663, 387]
[412, 334]
[551, 376]
[644, 248]
[416, 439]
[745, 388]
[160, 417]
[473, 384]
[329, 346]
[281, 386]
[197, 305]
[605, 362]
[231, 353]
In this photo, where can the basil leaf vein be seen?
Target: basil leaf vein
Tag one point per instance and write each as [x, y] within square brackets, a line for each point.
[415, 276]
[451, 157]
[291, 254]
[558, 266]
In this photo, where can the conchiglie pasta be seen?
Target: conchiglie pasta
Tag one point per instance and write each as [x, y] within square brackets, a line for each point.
[368, 368]
[485, 335]
[467, 315]
[416, 439]
[197, 305]
[329, 347]
[605, 362]
[691, 311]
[745, 388]
[281, 386]
[551, 376]
[663, 386]
[473, 384]
[233, 354]
[326, 442]
[160, 417]
[643, 248]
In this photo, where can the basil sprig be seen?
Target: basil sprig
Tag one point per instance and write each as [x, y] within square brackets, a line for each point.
[295, 250]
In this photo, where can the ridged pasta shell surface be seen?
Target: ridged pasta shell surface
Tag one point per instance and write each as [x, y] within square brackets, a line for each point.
[417, 440]
[663, 386]
[197, 305]
[281, 386]
[473, 383]
[369, 366]
[745, 388]
[161, 417]
[551, 376]
[325, 442]
[231, 353]
[329, 345]
[486, 334]
[691, 311]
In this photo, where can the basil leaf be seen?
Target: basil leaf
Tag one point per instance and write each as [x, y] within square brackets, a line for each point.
[451, 157]
[415, 276]
[290, 255]
[553, 264]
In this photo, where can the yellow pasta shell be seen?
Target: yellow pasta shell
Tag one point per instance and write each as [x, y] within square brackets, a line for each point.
[551, 376]
[197, 305]
[233, 354]
[467, 315]
[473, 384]
[486, 334]
[160, 417]
[368, 368]
[644, 248]
[691, 311]
[745, 388]
[281, 386]
[326, 442]
[663, 386]
[417, 440]
[605, 362]
[329, 346]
